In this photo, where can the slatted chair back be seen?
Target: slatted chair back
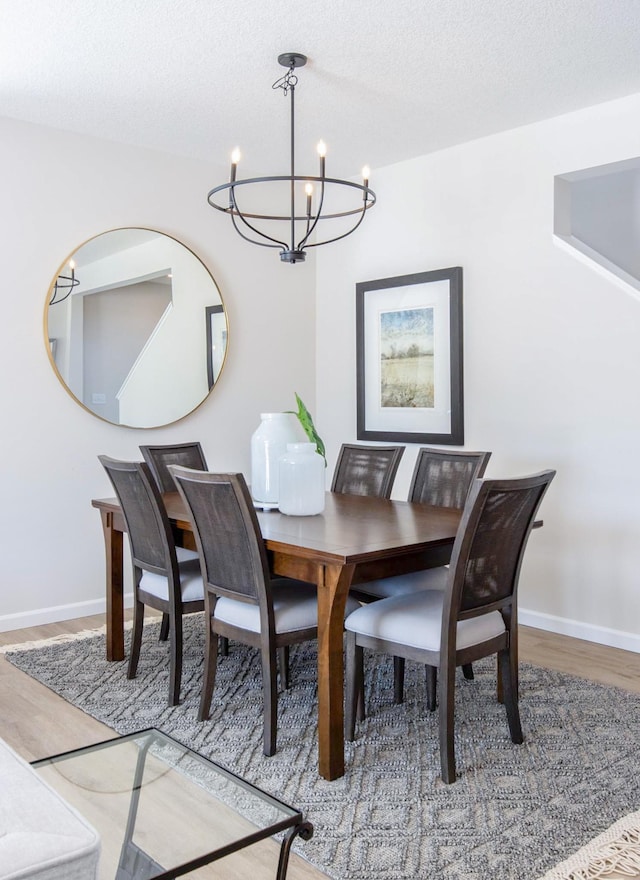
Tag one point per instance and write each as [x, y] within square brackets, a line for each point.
[148, 527]
[227, 533]
[443, 477]
[159, 458]
[366, 470]
[490, 545]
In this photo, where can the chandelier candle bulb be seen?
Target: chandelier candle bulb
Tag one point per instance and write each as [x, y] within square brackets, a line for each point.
[322, 152]
[366, 171]
[235, 158]
[309, 191]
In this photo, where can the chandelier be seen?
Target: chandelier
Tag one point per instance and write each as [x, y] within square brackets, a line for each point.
[64, 285]
[305, 200]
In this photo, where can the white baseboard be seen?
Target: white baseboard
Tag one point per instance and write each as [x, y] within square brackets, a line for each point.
[588, 632]
[25, 619]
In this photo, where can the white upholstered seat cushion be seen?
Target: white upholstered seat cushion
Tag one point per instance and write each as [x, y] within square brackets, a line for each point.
[185, 555]
[190, 581]
[295, 606]
[401, 584]
[41, 836]
[416, 620]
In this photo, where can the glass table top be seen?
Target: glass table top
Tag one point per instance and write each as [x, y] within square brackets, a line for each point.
[161, 809]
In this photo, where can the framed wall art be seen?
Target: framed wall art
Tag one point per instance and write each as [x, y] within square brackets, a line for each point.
[409, 358]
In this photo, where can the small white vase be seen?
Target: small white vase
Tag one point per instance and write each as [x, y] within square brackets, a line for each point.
[268, 442]
[302, 480]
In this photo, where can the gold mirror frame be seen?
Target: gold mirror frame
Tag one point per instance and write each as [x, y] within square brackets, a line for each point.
[135, 328]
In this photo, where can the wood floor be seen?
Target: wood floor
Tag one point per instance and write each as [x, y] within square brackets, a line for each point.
[37, 723]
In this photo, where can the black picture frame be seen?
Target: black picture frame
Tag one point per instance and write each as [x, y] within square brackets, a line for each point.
[403, 396]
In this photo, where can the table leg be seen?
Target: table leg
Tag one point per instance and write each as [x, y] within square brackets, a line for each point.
[305, 831]
[333, 586]
[114, 587]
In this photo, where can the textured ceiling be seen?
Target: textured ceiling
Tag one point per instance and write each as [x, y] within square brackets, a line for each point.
[386, 79]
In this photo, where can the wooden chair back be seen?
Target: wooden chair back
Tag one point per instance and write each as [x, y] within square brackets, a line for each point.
[159, 458]
[148, 527]
[227, 533]
[489, 547]
[366, 470]
[443, 477]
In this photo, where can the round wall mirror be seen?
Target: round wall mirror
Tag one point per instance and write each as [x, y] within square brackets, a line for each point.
[136, 328]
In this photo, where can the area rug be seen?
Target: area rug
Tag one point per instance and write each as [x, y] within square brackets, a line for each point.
[514, 812]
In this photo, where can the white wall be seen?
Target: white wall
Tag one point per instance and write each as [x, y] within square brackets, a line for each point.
[58, 190]
[552, 372]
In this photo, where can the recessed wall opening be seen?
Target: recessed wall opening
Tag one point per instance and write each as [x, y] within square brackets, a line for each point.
[597, 212]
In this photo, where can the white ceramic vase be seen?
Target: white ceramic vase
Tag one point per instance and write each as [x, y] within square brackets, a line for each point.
[268, 442]
[302, 480]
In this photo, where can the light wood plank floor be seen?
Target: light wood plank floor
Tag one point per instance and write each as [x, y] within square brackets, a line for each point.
[36, 722]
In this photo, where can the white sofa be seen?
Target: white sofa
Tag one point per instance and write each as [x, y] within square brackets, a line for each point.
[41, 836]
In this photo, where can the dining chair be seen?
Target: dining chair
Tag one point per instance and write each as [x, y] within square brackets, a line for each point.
[474, 617]
[441, 477]
[366, 470]
[158, 458]
[160, 580]
[242, 600]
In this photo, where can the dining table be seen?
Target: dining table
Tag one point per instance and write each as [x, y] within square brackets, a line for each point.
[354, 540]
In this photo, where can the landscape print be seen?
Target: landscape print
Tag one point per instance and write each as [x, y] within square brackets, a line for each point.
[406, 358]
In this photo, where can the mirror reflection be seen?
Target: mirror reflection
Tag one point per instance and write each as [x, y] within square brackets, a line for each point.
[136, 328]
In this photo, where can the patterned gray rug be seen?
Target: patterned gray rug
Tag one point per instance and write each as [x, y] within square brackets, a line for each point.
[514, 812]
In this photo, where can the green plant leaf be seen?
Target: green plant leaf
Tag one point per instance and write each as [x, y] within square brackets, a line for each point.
[304, 417]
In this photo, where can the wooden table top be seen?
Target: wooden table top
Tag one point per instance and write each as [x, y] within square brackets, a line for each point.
[352, 528]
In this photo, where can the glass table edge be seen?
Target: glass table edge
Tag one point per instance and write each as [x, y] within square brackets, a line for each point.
[229, 849]
[295, 816]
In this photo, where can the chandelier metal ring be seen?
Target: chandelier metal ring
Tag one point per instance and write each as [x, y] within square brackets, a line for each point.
[367, 192]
